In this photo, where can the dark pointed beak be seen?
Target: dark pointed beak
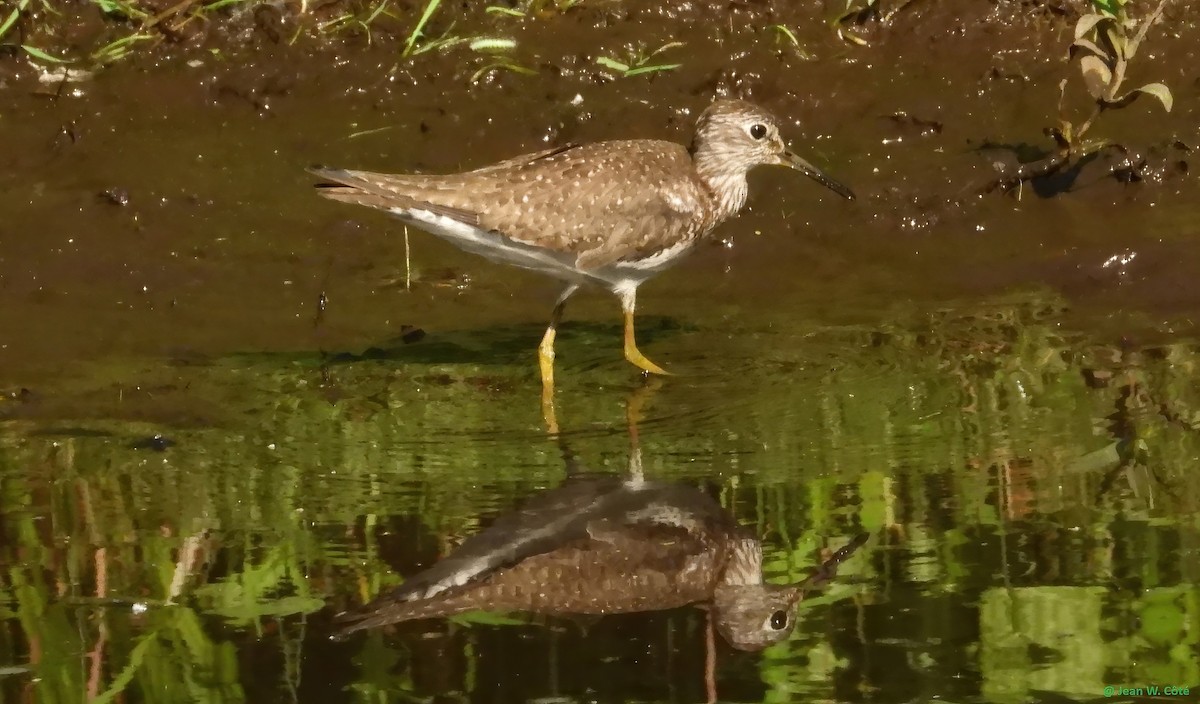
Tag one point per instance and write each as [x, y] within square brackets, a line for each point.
[790, 159]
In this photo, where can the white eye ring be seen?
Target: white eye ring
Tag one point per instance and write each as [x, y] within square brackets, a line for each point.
[757, 131]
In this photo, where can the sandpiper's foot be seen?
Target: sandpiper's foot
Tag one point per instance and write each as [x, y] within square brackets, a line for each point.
[634, 355]
[639, 360]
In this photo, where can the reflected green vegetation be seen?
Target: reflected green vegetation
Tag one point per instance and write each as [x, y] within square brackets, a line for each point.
[1033, 493]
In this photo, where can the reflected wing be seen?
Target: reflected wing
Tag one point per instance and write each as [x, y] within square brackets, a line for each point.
[545, 522]
[582, 549]
[615, 569]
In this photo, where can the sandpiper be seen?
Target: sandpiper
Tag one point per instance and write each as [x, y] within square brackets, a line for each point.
[611, 213]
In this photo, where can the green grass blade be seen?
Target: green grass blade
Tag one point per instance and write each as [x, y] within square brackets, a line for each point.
[116, 50]
[336, 21]
[430, 8]
[505, 65]
[510, 11]
[120, 9]
[664, 47]
[12, 17]
[787, 34]
[376, 12]
[439, 44]
[640, 70]
[39, 54]
[363, 133]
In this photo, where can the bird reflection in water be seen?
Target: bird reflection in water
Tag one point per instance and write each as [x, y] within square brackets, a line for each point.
[607, 545]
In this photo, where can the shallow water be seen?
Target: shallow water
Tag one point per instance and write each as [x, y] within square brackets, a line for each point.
[1033, 530]
[198, 467]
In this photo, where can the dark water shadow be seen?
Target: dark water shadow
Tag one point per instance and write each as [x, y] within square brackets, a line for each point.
[504, 345]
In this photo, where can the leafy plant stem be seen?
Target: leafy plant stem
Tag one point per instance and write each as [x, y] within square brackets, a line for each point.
[1118, 75]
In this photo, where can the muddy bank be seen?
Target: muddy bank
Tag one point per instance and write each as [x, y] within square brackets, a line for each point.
[161, 209]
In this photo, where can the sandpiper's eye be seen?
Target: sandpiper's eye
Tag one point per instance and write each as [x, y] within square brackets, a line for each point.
[758, 130]
[779, 620]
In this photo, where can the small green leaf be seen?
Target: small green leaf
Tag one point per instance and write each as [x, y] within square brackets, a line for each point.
[1091, 46]
[1096, 75]
[1067, 130]
[612, 64]
[1159, 91]
[1086, 24]
[1117, 40]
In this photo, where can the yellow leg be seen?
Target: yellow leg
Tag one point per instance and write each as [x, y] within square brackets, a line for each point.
[546, 360]
[633, 354]
[636, 402]
[546, 357]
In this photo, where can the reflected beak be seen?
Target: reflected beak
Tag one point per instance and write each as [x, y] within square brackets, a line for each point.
[790, 159]
[827, 570]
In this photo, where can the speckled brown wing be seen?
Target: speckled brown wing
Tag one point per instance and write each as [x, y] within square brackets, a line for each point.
[594, 546]
[543, 523]
[525, 159]
[620, 569]
[365, 188]
[602, 202]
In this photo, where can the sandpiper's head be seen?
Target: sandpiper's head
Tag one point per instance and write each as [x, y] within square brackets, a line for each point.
[752, 617]
[734, 136]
